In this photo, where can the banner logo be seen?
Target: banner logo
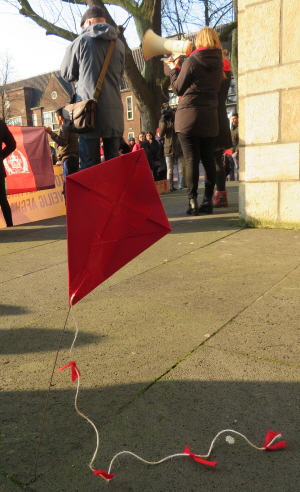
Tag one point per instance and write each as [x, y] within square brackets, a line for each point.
[16, 163]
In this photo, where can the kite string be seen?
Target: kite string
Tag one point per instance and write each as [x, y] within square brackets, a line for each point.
[76, 325]
[48, 393]
[77, 390]
[86, 418]
[196, 455]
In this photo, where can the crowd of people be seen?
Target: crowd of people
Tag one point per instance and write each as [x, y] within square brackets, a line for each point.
[197, 131]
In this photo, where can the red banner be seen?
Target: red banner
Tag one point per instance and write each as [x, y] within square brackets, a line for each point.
[29, 167]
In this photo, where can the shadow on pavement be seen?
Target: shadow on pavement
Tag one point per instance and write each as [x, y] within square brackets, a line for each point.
[28, 340]
[160, 422]
[11, 310]
[43, 230]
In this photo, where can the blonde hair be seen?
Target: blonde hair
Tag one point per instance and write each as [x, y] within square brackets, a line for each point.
[208, 38]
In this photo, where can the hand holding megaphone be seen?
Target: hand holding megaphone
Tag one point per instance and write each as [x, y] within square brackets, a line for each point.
[173, 61]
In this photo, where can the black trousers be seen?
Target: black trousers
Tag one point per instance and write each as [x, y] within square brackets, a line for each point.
[195, 149]
[4, 204]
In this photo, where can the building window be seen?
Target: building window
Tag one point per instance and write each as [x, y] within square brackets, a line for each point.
[17, 121]
[129, 108]
[130, 134]
[54, 95]
[34, 120]
[49, 120]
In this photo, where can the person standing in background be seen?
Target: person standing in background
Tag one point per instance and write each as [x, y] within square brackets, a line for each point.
[67, 147]
[223, 140]
[8, 140]
[172, 148]
[235, 143]
[198, 81]
[82, 64]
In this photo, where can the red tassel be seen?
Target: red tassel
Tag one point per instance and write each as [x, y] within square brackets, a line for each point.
[269, 438]
[75, 371]
[198, 459]
[103, 474]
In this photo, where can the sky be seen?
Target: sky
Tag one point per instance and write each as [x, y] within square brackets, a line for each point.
[32, 52]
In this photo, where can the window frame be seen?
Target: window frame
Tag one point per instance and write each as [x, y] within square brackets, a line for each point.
[51, 122]
[128, 110]
[12, 121]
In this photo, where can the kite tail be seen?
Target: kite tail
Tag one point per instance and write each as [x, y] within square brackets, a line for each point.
[90, 422]
[269, 443]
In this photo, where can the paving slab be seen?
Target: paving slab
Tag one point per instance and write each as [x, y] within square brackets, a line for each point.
[210, 391]
[269, 328]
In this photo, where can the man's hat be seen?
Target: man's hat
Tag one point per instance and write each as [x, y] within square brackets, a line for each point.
[92, 13]
[131, 139]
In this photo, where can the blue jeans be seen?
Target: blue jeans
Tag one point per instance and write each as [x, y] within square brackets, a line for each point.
[178, 162]
[89, 149]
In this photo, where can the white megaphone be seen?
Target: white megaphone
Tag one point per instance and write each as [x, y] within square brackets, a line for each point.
[154, 45]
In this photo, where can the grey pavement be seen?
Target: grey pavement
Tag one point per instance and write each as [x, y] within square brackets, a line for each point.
[198, 334]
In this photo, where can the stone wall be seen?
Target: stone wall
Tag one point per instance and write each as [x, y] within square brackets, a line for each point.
[269, 112]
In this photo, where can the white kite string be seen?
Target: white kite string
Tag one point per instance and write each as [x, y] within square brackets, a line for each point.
[187, 455]
[86, 418]
[76, 325]
[135, 455]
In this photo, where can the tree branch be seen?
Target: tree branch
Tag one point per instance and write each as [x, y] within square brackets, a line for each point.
[50, 28]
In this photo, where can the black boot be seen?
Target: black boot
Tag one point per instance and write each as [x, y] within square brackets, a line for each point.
[206, 206]
[193, 207]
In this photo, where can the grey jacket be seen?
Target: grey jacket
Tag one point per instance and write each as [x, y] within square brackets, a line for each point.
[82, 64]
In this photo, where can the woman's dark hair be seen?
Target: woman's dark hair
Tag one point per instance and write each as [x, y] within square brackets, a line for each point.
[150, 133]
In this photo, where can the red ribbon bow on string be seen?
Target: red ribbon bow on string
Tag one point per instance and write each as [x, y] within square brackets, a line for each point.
[103, 474]
[269, 438]
[198, 459]
[75, 371]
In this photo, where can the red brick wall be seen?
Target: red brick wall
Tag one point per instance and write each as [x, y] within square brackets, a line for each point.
[131, 126]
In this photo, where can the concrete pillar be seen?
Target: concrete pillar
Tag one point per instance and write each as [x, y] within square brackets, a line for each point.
[269, 112]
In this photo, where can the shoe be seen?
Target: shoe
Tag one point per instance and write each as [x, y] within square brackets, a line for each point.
[172, 188]
[206, 206]
[220, 199]
[193, 207]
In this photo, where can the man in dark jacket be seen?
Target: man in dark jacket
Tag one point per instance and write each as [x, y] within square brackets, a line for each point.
[10, 144]
[82, 63]
[172, 148]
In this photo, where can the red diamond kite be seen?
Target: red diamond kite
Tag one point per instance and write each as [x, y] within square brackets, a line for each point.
[114, 213]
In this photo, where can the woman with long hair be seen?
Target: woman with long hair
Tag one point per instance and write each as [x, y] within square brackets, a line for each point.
[196, 120]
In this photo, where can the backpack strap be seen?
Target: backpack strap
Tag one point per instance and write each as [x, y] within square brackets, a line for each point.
[104, 69]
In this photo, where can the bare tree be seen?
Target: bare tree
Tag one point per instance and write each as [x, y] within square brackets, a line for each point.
[178, 16]
[7, 71]
[60, 18]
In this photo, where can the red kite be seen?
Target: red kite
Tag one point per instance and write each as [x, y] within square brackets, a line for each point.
[114, 213]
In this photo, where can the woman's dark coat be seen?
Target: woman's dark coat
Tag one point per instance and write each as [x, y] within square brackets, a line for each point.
[198, 82]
